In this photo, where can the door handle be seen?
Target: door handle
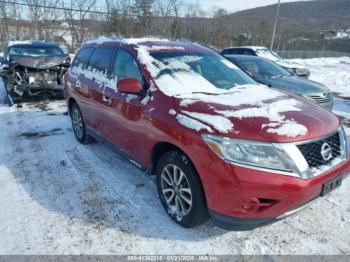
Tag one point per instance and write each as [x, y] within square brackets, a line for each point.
[107, 100]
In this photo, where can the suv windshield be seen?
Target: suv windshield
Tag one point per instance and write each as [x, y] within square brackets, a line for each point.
[215, 69]
[262, 68]
[35, 50]
[267, 53]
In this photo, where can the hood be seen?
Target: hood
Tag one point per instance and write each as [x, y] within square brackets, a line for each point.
[256, 113]
[294, 85]
[289, 64]
[38, 62]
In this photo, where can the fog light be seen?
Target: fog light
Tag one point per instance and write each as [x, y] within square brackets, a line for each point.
[250, 205]
[254, 205]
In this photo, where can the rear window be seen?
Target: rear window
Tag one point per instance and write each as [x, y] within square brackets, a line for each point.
[101, 58]
[82, 58]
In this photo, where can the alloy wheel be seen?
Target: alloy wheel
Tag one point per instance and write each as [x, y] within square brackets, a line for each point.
[176, 190]
[77, 123]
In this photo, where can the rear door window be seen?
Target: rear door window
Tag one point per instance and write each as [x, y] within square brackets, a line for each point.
[82, 58]
[101, 59]
[247, 52]
[231, 52]
[125, 66]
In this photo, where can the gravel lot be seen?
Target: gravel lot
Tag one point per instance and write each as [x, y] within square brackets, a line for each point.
[60, 197]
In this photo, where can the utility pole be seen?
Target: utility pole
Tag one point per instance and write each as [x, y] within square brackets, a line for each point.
[275, 25]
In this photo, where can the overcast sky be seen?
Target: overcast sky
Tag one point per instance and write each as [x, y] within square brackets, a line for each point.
[235, 5]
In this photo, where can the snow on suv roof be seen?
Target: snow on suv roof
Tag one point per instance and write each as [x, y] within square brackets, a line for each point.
[153, 44]
[254, 48]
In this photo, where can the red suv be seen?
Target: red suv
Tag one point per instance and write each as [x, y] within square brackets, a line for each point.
[220, 145]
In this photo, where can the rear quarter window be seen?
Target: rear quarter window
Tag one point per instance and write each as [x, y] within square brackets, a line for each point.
[248, 52]
[83, 56]
[101, 59]
[230, 52]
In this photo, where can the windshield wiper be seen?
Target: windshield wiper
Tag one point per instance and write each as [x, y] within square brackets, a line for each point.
[277, 76]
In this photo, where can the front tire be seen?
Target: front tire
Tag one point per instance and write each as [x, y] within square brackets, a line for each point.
[78, 125]
[180, 190]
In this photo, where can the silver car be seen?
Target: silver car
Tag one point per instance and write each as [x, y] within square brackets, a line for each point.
[267, 53]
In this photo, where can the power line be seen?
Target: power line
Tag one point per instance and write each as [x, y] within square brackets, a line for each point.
[53, 7]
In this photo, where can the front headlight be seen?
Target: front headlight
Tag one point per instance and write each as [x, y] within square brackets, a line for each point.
[302, 71]
[249, 153]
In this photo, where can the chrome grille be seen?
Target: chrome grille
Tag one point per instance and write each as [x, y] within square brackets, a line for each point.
[312, 151]
[322, 98]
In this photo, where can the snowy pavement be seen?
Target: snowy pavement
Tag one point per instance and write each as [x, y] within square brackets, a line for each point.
[60, 197]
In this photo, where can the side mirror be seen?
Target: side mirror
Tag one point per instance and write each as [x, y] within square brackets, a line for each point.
[2, 60]
[249, 73]
[130, 86]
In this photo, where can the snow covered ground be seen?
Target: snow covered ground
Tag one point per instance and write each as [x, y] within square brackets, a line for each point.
[332, 72]
[60, 197]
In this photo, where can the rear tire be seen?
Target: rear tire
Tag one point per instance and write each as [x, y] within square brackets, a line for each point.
[180, 190]
[78, 125]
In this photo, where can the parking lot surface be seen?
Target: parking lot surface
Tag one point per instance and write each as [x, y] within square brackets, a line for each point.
[60, 197]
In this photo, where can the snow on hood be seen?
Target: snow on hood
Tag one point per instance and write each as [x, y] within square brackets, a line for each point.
[278, 124]
[289, 64]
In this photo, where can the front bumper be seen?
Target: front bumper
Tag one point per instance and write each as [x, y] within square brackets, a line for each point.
[292, 194]
[246, 224]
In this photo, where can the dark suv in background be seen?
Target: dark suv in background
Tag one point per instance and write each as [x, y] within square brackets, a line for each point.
[271, 74]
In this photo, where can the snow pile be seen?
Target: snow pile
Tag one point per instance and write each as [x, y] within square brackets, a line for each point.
[323, 61]
[332, 72]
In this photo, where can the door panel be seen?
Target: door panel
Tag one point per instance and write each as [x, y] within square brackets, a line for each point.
[124, 123]
[123, 119]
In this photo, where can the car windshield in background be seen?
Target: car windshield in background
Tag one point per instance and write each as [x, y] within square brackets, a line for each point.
[267, 53]
[35, 50]
[262, 68]
[220, 72]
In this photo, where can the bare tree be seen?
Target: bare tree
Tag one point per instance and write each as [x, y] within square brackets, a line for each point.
[167, 16]
[143, 10]
[4, 25]
[76, 14]
[121, 17]
[220, 28]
